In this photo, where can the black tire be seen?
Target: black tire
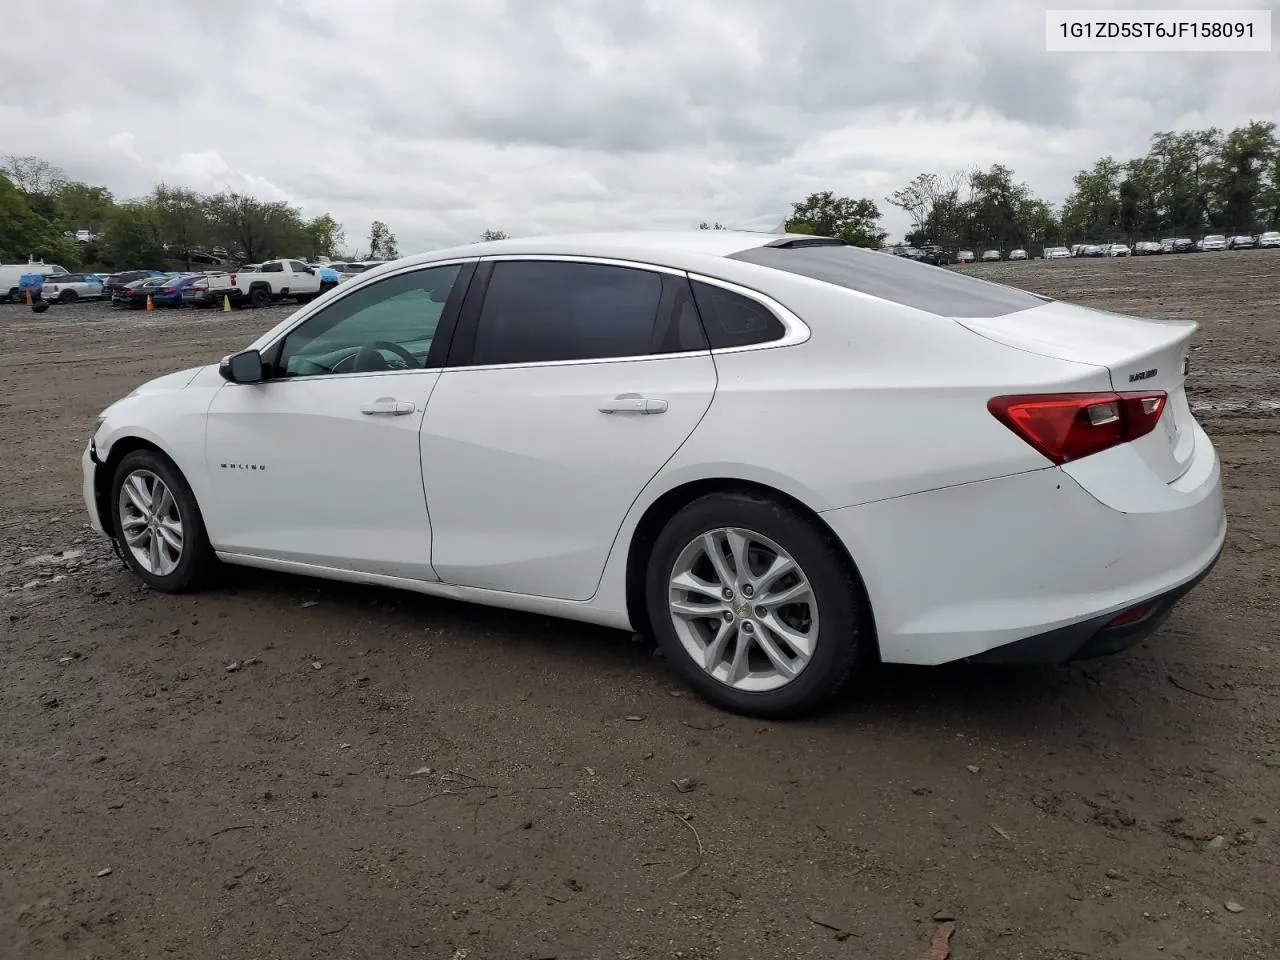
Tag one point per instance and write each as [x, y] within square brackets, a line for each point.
[844, 638]
[14, 295]
[305, 298]
[260, 297]
[68, 296]
[196, 560]
[39, 306]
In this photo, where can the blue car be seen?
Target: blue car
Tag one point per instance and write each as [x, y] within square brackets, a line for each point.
[169, 293]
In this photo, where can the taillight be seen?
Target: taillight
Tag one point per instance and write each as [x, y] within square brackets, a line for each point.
[166, 289]
[1068, 426]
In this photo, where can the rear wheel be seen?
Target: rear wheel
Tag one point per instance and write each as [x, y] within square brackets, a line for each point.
[260, 297]
[68, 296]
[158, 523]
[752, 603]
[15, 295]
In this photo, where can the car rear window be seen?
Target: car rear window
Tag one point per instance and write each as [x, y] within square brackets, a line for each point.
[896, 279]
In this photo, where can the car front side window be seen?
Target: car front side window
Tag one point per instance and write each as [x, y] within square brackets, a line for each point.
[386, 326]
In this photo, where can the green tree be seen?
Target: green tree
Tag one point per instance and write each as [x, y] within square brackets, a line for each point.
[254, 230]
[37, 179]
[856, 222]
[382, 242]
[1237, 176]
[492, 235]
[83, 207]
[1092, 211]
[25, 234]
[184, 220]
[135, 237]
[325, 236]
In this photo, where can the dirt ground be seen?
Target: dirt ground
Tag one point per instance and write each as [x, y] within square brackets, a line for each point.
[390, 775]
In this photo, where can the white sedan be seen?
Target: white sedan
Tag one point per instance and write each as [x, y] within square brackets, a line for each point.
[782, 456]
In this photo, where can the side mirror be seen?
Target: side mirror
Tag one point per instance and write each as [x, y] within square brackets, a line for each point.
[243, 367]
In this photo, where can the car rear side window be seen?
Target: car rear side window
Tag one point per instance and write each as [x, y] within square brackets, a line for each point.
[274, 267]
[896, 279]
[539, 311]
[732, 320]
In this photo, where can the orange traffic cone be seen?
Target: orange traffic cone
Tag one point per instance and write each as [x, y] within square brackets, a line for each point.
[28, 297]
[149, 306]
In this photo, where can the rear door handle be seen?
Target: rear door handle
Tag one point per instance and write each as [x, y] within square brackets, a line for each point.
[388, 407]
[633, 403]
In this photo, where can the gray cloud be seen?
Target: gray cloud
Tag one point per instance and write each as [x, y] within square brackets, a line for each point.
[445, 118]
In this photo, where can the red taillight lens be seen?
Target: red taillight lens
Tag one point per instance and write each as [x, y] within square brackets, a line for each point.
[166, 289]
[1068, 426]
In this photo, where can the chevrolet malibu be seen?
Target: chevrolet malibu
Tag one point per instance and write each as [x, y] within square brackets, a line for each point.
[781, 456]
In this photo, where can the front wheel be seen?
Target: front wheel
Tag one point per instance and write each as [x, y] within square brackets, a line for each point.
[754, 606]
[158, 523]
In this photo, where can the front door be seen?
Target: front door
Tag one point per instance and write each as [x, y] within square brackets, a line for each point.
[320, 463]
[570, 384]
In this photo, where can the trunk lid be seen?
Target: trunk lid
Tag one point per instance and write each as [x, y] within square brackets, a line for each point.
[1140, 354]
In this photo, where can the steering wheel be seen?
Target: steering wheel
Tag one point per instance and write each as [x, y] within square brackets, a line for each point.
[370, 358]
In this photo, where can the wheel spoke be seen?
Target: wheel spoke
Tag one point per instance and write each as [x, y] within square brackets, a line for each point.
[741, 653]
[132, 523]
[801, 643]
[136, 489]
[780, 662]
[792, 594]
[166, 501]
[691, 584]
[711, 547]
[781, 566]
[172, 539]
[154, 554]
[715, 649]
[738, 544]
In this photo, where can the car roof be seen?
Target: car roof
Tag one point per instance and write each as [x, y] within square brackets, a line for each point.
[672, 248]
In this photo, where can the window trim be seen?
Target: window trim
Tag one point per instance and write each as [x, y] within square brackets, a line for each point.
[440, 343]
[796, 331]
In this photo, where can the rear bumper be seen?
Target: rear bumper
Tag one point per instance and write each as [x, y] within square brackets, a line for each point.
[1033, 562]
[1096, 637]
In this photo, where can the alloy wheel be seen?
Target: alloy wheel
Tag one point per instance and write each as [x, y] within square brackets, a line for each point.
[151, 522]
[743, 609]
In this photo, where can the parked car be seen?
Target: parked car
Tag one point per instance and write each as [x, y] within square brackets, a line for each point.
[1269, 238]
[133, 296]
[11, 275]
[1147, 248]
[1018, 254]
[1117, 250]
[1177, 245]
[932, 254]
[1241, 241]
[329, 277]
[1093, 250]
[168, 293]
[274, 280]
[634, 493]
[1057, 253]
[1212, 243]
[70, 287]
[965, 256]
[989, 255]
[197, 293]
[116, 282]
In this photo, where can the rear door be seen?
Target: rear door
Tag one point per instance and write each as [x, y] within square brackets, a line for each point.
[570, 383]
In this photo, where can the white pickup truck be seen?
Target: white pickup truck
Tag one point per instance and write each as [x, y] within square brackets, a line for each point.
[270, 282]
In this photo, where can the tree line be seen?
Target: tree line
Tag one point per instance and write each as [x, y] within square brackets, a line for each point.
[40, 205]
[1187, 184]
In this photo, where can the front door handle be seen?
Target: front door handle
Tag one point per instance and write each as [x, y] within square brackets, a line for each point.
[388, 407]
[633, 403]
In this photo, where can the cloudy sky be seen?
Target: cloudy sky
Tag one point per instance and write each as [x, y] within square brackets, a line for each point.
[447, 117]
